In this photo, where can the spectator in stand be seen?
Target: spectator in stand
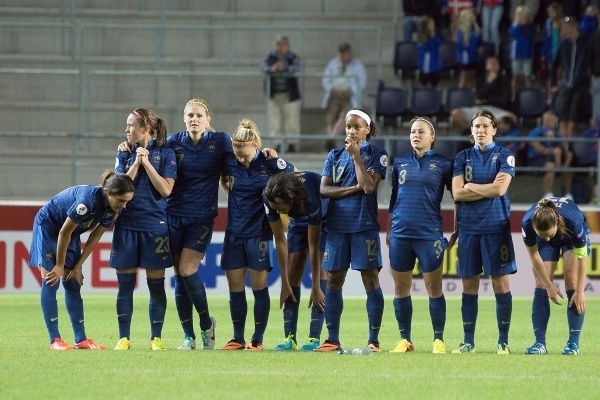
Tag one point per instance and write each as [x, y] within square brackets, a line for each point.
[550, 42]
[492, 91]
[428, 51]
[415, 11]
[284, 99]
[550, 154]
[507, 129]
[591, 133]
[344, 80]
[467, 40]
[454, 8]
[595, 72]
[589, 22]
[522, 34]
[491, 14]
[532, 5]
[574, 83]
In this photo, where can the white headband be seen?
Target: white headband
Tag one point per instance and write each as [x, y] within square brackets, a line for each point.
[360, 114]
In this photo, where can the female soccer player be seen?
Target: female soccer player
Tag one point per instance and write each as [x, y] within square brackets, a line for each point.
[298, 196]
[141, 236]
[56, 247]
[349, 179]
[248, 236]
[192, 208]
[552, 225]
[418, 181]
[480, 181]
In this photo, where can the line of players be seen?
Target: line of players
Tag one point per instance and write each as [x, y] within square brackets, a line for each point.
[169, 185]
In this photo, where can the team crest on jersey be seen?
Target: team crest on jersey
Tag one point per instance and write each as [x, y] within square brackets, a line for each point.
[432, 166]
[81, 209]
[157, 158]
[49, 256]
[383, 160]
[281, 164]
[366, 158]
[211, 148]
[494, 158]
[511, 161]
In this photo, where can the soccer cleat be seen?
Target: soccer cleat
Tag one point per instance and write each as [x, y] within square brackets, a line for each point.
[374, 346]
[328, 346]
[157, 344]
[208, 336]
[503, 349]
[88, 344]
[310, 345]
[403, 346]
[123, 344]
[254, 345]
[536, 348]
[289, 344]
[233, 345]
[571, 349]
[439, 347]
[60, 344]
[188, 344]
[464, 348]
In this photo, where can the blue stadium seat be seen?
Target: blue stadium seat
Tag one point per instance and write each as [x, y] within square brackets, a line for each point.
[406, 62]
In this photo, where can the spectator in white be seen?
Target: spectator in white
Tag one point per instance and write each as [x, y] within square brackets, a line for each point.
[284, 99]
[344, 80]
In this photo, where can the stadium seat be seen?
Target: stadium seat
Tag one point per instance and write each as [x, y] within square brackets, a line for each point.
[426, 102]
[406, 62]
[504, 57]
[446, 148]
[530, 104]
[448, 58]
[390, 105]
[459, 97]
[584, 154]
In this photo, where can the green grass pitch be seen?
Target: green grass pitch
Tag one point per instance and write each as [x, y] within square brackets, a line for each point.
[31, 371]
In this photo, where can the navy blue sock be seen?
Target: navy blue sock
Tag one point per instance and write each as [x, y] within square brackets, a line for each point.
[375, 305]
[238, 308]
[262, 307]
[157, 306]
[290, 313]
[503, 315]
[437, 313]
[317, 316]
[197, 292]
[403, 309]
[540, 314]
[469, 310]
[574, 320]
[50, 309]
[334, 305]
[74, 304]
[184, 307]
[125, 303]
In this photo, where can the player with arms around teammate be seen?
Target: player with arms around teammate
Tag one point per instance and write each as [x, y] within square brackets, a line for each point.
[141, 236]
[298, 196]
[481, 177]
[349, 179]
[248, 236]
[549, 227]
[418, 182]
[56, 247]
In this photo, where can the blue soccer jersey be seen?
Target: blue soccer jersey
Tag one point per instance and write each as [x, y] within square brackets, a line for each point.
[147, 210]
[417, 191]
[487, 215]
[575, 222]
[356, 212]
[196, 191]
[313, 211]
[86, 205]
[246, 215]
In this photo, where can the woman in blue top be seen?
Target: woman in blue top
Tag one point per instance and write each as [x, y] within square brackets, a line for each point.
[428, 51]
[141, 236]
[349, 179]
[56, 247]
[298, 196]
[418, 182]
[552, 226]
[248, 236]
[481, 177]
[467, 45]
[522, 33]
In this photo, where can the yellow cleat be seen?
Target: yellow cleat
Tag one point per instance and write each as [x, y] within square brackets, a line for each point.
[439, 347]
[403, 346]
[123, 344]
[157, 344]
